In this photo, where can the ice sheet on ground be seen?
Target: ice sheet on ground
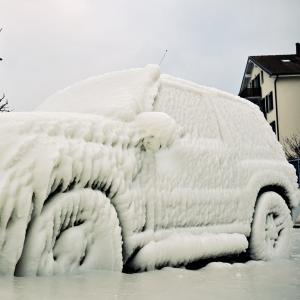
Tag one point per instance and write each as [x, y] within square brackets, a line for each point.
[254, 280]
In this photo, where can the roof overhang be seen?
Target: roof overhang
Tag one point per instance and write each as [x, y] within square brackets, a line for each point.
[247, 74]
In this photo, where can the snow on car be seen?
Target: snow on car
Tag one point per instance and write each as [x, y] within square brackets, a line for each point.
[140, 170]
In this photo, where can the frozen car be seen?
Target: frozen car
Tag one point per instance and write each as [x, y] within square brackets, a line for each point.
[140, 170]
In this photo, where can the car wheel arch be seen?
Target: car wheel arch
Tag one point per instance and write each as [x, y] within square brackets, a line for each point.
[279, 189]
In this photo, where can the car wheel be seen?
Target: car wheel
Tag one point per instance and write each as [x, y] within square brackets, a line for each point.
[76, 231]
[271, 228]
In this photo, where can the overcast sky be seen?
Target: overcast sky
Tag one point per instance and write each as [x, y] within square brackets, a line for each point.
[47, 45]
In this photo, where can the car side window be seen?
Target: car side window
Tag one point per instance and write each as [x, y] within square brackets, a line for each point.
[242, 122]
[190, 107]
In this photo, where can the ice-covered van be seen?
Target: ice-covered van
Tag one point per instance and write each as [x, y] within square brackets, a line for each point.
[139, 170]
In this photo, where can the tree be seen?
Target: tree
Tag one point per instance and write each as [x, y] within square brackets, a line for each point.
[291, 147]
[3, 104]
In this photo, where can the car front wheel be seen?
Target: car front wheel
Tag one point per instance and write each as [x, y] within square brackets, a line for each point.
[75, 232]
[271, 228]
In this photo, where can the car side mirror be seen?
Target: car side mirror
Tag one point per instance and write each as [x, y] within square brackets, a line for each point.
[157, 130]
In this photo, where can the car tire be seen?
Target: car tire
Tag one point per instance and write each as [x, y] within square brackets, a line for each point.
[77, 231]
[271, 228]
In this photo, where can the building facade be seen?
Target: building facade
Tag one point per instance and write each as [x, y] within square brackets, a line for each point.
[273, 83]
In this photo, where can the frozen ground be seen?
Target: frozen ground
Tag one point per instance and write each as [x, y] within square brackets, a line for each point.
[252, 280]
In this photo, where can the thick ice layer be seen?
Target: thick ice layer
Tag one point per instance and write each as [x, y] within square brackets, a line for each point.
[45, 154]
[180, 249]
[171, 160]
[76, 231]
[121, 94]
[212, 174]
[273, 215]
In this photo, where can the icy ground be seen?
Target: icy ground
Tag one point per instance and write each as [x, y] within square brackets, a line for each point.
[252, 280]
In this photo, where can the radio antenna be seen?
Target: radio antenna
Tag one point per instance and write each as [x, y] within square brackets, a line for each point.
[163, 57]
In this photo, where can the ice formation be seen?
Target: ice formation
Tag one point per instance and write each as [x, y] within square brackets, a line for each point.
[272, 211]
[91, 241]
[180, 249]
[133, 168]
[120, 95]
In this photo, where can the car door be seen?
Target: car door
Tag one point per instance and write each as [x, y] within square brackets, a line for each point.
[191, 179]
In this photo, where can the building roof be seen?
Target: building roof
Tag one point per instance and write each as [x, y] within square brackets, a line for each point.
[278, 64]
[274, 65]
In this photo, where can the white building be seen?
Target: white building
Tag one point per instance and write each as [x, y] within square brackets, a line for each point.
[273, 83]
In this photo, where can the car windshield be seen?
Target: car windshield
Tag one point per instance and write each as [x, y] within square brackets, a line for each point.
[118, 94]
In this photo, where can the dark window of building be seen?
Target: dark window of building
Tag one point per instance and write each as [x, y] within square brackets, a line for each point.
[273, 125]
[263, 106]
[256, 82]
[267, 103]
[270, 100]
[262, 77]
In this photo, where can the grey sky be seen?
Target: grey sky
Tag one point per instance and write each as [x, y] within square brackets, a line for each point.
[47, 45]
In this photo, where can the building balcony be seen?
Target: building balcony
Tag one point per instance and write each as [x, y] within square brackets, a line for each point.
[251, 93]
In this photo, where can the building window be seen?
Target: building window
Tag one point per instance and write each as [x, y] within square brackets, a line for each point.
[273, 125]
[262, 106]
[262, 77]
[267, 103]
[270, 100]
[256, 82]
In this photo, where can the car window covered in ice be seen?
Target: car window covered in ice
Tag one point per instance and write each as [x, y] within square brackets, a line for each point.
[190, 107]
[243, 126]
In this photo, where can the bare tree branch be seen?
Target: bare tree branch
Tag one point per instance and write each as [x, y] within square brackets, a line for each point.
[291, 147]
[3, 104]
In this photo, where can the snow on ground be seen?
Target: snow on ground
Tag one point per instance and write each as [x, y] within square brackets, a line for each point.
[251, 280]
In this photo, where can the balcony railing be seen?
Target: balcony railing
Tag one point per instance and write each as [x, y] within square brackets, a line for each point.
[250, 92]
